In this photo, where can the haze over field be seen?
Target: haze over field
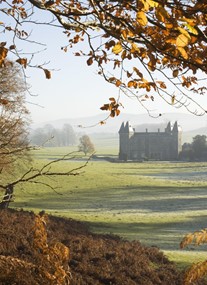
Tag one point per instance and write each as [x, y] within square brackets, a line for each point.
[191, 124]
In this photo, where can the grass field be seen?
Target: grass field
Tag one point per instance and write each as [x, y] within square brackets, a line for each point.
[154, 202]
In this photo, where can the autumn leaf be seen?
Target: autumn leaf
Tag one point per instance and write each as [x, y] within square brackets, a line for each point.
[134, 48]
[182, 40]
[173, 99]
[192, 29]
[2, 44]
[151, 66]
[3, 54]
[118, 83]
[183, 52]
[162, 84]
[90, 61]
[105, 107]
[117, 48]
[138, 72]
[142, 18]
[124, 34]
[175, 72]
[117, 112]
[4, 101]
[132, 83]
[22, 61]
[112, 99]
[47, 73]
[161, 14]
[168, 25]
[12, 47]
[184, 32]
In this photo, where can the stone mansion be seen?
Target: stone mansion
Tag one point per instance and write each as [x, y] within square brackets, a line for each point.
[160, 145]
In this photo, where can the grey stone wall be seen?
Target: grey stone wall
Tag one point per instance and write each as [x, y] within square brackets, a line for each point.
[149, 145]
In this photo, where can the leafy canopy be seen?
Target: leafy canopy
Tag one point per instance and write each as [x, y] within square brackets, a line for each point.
[147, 48]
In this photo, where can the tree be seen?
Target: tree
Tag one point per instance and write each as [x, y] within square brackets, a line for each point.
[14, 119]
[86, 145]
[197, 150]
[14, 145]
[50, 136]
[199, 145]
[68, 135]
[15, 164]
[146, 48]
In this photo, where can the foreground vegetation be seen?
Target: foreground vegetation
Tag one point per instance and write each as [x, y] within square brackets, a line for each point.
[155, 203]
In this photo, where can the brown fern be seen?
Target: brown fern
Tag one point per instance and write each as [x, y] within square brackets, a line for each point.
[197, 270]
[52, 258]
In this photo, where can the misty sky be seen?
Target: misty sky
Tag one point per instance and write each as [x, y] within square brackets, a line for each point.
[75, 90]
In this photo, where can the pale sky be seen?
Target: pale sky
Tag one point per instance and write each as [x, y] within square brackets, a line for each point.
[75, 90]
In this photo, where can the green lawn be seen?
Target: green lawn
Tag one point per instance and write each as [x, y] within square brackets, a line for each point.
[156, 203]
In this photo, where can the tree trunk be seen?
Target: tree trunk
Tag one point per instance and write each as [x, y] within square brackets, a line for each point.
[4, 204]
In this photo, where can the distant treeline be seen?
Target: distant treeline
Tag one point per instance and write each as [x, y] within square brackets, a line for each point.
[50, 136]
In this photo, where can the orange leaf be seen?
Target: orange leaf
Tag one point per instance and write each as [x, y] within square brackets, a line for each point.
[118, 83]
[118, 112]
[142, 18]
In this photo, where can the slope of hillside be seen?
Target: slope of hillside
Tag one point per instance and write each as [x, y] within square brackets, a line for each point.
[94, 259]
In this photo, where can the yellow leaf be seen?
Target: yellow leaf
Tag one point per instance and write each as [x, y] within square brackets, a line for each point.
[152, 3]
[189, 21]
[183, 52]
[117, 48]
[146, 5]
[134, 48]
[142, 18]
[192, 29]
[182, 40]
[184, 32]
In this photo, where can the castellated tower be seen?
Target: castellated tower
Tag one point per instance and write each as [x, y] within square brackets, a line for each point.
[177, 139]
[126, 132]
[146, 145]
